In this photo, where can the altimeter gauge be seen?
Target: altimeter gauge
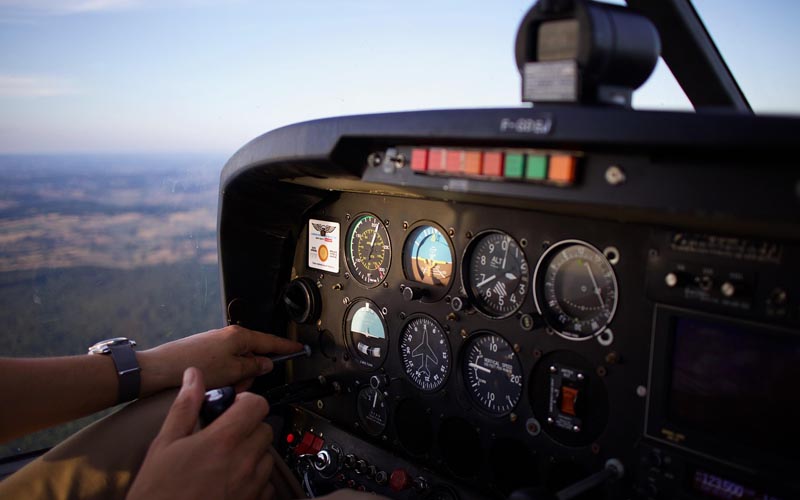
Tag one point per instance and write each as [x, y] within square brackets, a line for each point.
[495, 274]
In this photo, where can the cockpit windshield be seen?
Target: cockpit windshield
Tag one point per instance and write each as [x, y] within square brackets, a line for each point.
[116, 117]
[758, 42]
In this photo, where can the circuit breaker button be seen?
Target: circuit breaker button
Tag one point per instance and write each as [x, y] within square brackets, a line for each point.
[562, 169]
[419, 160]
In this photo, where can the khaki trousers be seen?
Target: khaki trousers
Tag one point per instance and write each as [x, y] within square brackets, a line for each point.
[101, 461]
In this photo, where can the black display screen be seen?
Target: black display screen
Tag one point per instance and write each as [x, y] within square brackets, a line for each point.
[735, 385]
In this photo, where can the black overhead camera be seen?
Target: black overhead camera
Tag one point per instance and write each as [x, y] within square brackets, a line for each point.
[580, 51]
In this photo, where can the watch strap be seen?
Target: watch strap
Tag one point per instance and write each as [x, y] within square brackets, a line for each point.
[128, 371]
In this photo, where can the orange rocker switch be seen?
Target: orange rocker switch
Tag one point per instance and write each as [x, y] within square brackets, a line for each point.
[569, 396]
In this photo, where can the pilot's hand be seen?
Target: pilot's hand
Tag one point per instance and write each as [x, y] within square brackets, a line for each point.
[229, 356]
[228, 459]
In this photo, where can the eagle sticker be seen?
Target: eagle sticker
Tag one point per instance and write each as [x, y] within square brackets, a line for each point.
[323, 245]
[324, 228]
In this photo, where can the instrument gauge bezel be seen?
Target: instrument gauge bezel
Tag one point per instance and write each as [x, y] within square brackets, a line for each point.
[538, 293]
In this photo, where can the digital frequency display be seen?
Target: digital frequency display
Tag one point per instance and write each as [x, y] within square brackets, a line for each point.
[718, 487]
[735, 384]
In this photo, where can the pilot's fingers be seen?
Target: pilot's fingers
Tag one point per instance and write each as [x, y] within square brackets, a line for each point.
[240, 420]
[256, 446]
[250, 467]
[251, 366]
[182, 417]
[243, 385]
[250, 341]
[268, 493]
[264, 471]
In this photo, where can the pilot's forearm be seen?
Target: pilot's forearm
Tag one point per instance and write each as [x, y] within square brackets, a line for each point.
[38, 393]
[41, 392]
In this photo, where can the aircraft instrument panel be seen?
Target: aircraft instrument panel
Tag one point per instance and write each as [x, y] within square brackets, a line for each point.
[501, 311]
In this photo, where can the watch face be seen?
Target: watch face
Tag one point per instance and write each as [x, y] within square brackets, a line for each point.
[104, 346]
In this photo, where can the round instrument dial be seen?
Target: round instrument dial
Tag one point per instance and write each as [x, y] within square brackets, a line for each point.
[495, 274]
[372, 411]
[575, 289]
[425, 353]
[428, 256]
[365, 332]
[492, 373]
[369, 251]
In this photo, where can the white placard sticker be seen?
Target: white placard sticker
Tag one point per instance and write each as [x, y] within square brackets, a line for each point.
[323, 245]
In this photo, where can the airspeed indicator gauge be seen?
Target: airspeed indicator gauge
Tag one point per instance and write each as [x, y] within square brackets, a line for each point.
[369, 251]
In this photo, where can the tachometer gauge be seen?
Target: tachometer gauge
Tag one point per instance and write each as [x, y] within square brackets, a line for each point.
[425, 353]
[428, 257]
[369, 252]
[495, 274]
[365, 334]
[575, 289]
[372, 411]
[492, 373]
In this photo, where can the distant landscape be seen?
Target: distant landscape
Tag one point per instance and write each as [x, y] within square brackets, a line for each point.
[98, 246]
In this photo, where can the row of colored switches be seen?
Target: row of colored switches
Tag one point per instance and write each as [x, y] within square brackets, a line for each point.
[518, 165]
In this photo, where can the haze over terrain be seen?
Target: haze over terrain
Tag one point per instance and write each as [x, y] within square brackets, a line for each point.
[99, 246]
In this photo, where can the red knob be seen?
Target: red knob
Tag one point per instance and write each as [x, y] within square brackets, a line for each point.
[399, 480]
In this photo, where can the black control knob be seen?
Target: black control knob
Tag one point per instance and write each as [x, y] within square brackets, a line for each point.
[706, 283]
[361, 467]
[372, 471]
[420, 484]
[653, 459]
[778, 297]
[350, 460]
[378, 381]
[302, 301]
[381, 477]
[326, 461]
[413, 293]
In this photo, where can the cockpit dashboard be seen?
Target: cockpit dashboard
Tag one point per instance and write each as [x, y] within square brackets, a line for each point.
[520, 302]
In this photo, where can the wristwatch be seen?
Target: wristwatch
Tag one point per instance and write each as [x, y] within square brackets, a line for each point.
[121, 351]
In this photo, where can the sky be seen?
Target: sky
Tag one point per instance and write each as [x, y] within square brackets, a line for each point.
[202, 76]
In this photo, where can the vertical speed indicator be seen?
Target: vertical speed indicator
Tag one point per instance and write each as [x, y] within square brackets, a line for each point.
[369, 251]
[492, 372]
